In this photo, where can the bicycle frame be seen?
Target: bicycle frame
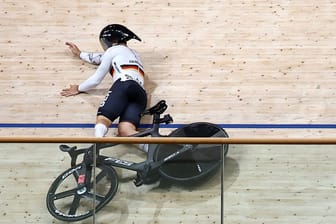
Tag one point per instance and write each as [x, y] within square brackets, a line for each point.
[143, 169]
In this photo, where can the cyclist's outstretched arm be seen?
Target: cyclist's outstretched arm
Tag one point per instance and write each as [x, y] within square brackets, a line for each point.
[90, 57]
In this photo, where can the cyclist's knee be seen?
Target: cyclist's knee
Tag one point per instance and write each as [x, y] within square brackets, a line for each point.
[126, 129]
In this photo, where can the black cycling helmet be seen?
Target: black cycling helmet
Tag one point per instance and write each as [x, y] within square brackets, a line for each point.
[115, 33]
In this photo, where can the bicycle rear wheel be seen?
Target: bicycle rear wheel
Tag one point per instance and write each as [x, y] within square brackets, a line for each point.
[67, 202]
[195, 164]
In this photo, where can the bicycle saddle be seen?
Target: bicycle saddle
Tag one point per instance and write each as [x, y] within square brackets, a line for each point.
[158, 108]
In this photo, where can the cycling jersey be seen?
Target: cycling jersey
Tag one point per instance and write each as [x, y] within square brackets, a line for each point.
[122, 62]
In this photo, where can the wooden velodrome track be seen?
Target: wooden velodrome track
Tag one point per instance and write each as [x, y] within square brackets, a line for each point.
[259, 68]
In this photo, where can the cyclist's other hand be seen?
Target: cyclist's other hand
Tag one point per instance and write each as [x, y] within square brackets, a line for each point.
[72, 91]
[73, 48]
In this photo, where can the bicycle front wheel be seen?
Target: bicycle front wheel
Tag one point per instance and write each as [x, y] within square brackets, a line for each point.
[67, 202]
[197, 163]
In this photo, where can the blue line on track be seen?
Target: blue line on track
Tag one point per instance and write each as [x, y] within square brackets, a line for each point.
[233, 126]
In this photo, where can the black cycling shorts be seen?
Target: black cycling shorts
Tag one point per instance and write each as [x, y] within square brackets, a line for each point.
[126, 100]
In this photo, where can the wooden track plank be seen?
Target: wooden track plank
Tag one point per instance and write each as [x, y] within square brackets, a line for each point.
[227, 62]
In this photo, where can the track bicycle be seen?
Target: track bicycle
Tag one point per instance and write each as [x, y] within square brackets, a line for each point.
[87, 186]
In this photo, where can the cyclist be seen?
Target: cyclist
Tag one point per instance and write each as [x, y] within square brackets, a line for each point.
[127, 98]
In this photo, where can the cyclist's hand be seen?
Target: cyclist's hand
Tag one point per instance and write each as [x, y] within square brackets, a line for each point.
[73, 90]
[73, 48]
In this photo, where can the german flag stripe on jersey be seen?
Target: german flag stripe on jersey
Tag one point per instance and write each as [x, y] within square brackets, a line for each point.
[132, 67]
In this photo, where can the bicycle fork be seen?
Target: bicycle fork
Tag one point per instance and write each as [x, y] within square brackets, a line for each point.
[83, 176]
[84, 173]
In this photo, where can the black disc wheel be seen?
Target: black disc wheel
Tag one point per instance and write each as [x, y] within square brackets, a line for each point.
[194, 164]
[68, 202]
